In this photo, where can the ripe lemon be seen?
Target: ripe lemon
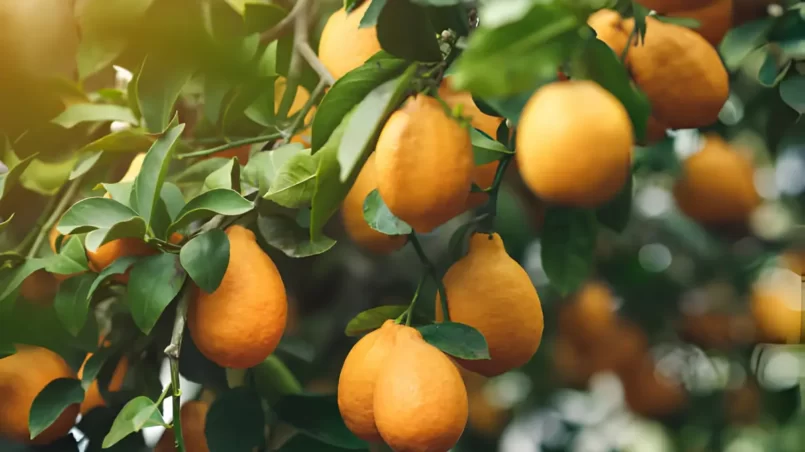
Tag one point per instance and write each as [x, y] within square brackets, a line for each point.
[242, 321]
[40, 288]
[343, 45]
[776, 306]
[424, 164]
[22, 376]
[92, 396]
[681, 73]
[574, 144]
[356, 384]
[610, 29]
[590, 314]
[420, 399]
[483, 175]
[352, 214]
[489, 291]
[194, 419]
[111, 251]
[715, 19]
[728, 198]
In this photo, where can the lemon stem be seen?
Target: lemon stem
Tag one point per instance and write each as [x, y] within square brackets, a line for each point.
[230, 145]
[409, 313]
[433, 274]
[172, 350]
[629, 43]
[491, 208]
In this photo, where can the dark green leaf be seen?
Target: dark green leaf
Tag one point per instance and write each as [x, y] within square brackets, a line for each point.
[154, 281]
[330, 191]
[198, 171]
[52, 401]
[369, 18]
[205, 258]
[71, 259]
[680, 21]
[78, 113]
[616, 213]
[379, 217]
[173, 198]
[318, 417]
[219, 201]
[259, 17]
[302, 443]
[263, 167]
[94, 364]
[235, 421]
[72, 302]
[129, 140]
[485, 149]
[139, 413]
[227, 176]
[118, 267]
[772, 70]
[349, 91]
[792, 91]
[13, 278]
[158, 86]
[456, 339]
[145, 193]
[568, 246]
[297, 347]
[366, 121]
[458, 245]
[740, 41]
[120, 192]
[273, 379]
[6, 349]
[86, 161]
[373, 319]
[405, 31]
[134, 227]
[288, 236]
[10, 178]
[294, 185]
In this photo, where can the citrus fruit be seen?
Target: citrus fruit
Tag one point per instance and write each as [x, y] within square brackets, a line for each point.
[574, 144]
[420, 400]
[715, 19]
[610, 29]
[343, 45]
[649, 393]
[242, 321]
[356, 384]
[590, 314]
[483, 175]
[109, 252]
[776, 306]
[22, 376]
[424, 164]
[194, 420]
[134, 168]
[680, 72]
[352, 214]
[510, 319]
[728, 198]
[93, 397]
[40, 287]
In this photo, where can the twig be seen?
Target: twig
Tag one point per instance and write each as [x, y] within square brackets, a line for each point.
[300, 116]
[172, 350]
[295, 67]
[313, 60]
[433, 274]
[285, 24]
[61, 207]
[410, 311]
[629, 43]
[230, 145]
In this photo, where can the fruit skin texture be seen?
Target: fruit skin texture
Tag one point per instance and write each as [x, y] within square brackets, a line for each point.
[92, 396]
[111, 251]
[356, 384]
[424, 164]
[194, 419]
[22, 376]
[715, 19]
[241, 323]
[352, 214]
[489, 291]
[483, 175]
[343, 46]
[610, 29]
[574, 155]
[420, 399]
[681, 73]
[717, 186]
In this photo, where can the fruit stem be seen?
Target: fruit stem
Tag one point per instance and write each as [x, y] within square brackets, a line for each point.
[433, 274]
[409, 313]
[491, 208]
[61, 207]
[300, 115]
[230, 145]
[629, 44]
[172, 350]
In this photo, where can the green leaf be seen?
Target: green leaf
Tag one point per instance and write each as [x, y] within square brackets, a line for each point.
[72, 302]
[12, 279]
[120, 192]
[318, 416]
[198, 171]
[148, 184]
[405, 31]
[93, 213]
[51, 402]
[6, 349]
[214, 202]
[118, 267]
[366, 121]
[139, 413]
[568, 246]
[330, 191]
[740, 41]
[523, 52]
[48, 177]
[372, 319]
[771, 70]
[485, 149]
[134, 227]
[302, 443]
[227, 176]
[261, 110]
[792, 91]
[173, 198]
[263, 167]
[86, 161]
[153, 282]
[235, 421]
[159, 84]
[259, 17]
[205, 258]
[680, 21]
[456, 339]
[94, 364]
[616, 213]
[597, 62]
[129, 140]
[288, 236]
[379, 217]
[9, 179]
[71, 258]
[372, 13]
[294, 185]
[77, 113]
[349, 91]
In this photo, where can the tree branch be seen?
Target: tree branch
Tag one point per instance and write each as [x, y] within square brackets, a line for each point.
[61, 207]
[172, 350]
[230, 145]
[433, 274]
